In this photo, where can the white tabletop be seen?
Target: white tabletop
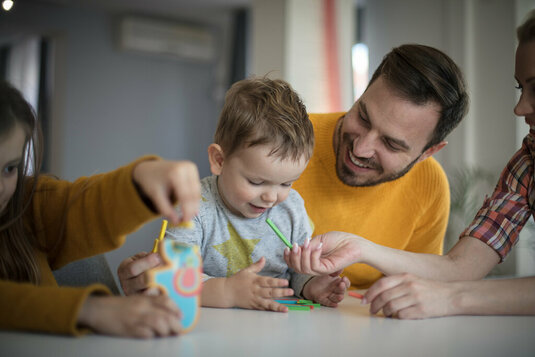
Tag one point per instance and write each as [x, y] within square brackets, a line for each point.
[348, 330]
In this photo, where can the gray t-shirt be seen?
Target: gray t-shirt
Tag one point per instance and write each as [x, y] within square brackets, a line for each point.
[229, 243]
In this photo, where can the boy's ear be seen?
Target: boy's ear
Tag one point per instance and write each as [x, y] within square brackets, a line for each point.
[216, 158]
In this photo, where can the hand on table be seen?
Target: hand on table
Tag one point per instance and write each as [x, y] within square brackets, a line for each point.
[165, 183]
[324, 254]
[132, 273]
[252, 291]
[410, 297]
[327, 290]
[132, 316]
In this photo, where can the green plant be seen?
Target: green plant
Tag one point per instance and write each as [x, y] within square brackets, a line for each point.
[468, 188]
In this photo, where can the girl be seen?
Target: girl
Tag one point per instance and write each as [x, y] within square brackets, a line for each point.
[46, 223]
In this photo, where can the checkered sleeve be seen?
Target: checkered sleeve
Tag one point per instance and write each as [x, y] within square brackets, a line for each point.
[503, 215]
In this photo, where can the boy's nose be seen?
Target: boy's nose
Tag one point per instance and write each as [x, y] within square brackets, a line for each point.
[269, 196]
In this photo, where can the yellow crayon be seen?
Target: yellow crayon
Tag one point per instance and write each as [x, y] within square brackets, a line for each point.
[160, 237]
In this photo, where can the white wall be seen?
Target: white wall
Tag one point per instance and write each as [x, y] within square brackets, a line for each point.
[110, 107]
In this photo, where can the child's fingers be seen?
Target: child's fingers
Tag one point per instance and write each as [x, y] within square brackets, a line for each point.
[186, 189]
[131, 273]
[256, 267]
[270, 293]
[167, 304]
[164, 206]
[132, 268]
[268, 282]
[271, 305]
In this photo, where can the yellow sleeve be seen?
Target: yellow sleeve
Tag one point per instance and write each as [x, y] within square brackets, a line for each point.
[24, 306]
[89, 216]
[428, 236]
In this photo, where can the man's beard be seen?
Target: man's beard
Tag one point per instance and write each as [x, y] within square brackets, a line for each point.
[346, 175]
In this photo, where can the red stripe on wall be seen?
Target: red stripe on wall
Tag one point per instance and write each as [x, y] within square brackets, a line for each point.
[334, 101]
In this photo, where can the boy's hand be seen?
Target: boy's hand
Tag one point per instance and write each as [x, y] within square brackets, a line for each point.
[165, 183]
[132, 273]
[132, 316]
[252, 291]
[327, 290]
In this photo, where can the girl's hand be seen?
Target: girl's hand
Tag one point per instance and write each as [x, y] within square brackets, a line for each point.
[252, 291]
[133, 316]
[165, 183]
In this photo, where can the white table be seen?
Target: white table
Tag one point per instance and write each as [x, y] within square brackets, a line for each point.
[348, 330]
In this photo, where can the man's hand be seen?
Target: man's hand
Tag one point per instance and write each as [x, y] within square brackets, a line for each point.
[409, 297]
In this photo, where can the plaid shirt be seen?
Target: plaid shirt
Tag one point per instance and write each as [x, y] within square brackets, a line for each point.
[504, 214]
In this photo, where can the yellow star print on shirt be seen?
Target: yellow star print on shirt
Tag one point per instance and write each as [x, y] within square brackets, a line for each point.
[237, 251]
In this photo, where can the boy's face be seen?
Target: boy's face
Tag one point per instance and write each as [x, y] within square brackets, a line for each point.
[250, 181]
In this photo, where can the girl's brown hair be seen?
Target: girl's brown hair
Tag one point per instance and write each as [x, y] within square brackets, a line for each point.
[17, 242]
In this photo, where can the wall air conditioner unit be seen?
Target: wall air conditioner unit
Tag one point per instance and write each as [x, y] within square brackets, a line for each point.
[166, 38]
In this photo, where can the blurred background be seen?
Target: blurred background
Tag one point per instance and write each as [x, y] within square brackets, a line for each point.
[116, 79]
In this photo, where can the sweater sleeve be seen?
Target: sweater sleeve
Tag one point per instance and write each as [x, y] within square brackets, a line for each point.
[428, 236]
[71, 221]
[24, 306]
[89, 216]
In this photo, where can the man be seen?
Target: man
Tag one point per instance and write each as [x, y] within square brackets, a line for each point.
[371, 172]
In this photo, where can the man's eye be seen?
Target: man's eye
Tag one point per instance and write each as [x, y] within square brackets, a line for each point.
[391, 146]
[363, 119]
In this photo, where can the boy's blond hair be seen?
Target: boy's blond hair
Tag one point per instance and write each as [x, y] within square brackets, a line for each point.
[259, 111]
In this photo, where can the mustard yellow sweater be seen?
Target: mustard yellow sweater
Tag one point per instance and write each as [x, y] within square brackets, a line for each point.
[410, 213]
[92, 215]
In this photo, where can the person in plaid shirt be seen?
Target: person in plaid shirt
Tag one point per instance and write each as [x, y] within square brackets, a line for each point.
[426, 285]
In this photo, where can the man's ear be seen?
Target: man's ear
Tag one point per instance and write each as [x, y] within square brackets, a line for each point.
[216, 158]
[432, 150]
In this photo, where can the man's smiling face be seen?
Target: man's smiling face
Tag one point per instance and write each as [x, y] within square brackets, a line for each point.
[383, 136]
